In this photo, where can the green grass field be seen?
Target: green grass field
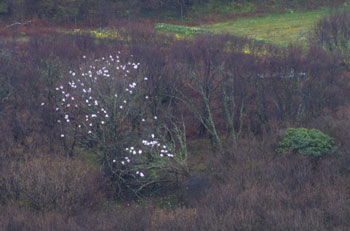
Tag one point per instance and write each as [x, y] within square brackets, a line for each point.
[279, 29]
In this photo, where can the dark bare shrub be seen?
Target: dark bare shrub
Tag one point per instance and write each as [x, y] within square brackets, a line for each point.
[260, 191]
[56, 183]
[131, 218]
[333, 34]
[194, 187]
[178, 219]
[336, 125]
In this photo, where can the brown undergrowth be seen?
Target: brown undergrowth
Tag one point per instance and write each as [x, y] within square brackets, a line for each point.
[47, 183]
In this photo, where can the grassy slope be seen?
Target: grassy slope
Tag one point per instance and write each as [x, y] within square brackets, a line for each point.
[280, 29]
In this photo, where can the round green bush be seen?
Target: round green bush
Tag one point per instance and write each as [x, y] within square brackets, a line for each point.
[308, 142]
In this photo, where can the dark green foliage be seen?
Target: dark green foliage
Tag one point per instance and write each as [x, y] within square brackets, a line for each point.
[3, 8]
[102, 11]
[307, 142]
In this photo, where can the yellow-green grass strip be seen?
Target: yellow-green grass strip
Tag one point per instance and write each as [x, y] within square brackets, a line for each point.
[278, 29]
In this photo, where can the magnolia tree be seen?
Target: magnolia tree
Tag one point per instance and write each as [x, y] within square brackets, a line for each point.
[103, 107]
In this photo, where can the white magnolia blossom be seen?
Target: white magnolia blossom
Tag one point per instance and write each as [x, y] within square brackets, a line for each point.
[88, 104]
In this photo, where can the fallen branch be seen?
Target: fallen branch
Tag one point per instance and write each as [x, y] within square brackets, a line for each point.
[18, 23]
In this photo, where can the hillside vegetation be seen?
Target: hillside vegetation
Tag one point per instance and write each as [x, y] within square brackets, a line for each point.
[124, 127]
[280, 29]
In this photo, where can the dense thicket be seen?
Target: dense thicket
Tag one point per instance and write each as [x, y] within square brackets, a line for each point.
[237, 94]
[333, 34]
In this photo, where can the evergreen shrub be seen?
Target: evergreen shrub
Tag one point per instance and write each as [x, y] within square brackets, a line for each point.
[308, 142]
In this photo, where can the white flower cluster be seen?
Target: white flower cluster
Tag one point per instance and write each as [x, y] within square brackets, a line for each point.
[162, 149]
[83, 102]
[156, 147]
[80, 89]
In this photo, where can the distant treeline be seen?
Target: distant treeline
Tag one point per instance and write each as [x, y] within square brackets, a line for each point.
[102, 10]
